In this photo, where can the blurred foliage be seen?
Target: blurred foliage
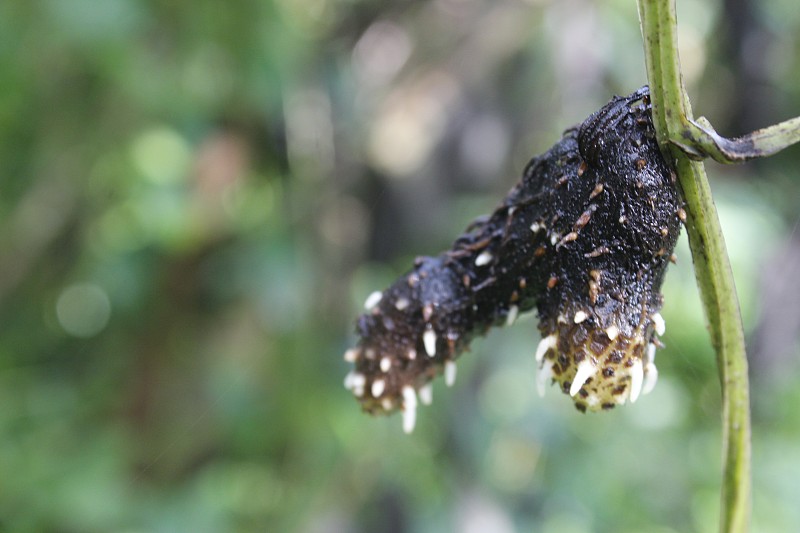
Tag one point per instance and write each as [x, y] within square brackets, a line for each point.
[196, 197]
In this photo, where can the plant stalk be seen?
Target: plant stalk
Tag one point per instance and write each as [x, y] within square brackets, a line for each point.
[671, 115]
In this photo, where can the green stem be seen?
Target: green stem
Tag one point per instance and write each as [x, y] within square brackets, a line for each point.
[715, 279]
[671, 113]
[697, 139]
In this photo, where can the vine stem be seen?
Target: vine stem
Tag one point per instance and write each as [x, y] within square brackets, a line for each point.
[671, 113]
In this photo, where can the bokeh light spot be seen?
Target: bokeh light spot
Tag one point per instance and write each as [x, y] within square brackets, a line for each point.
[83, 309]
[161, 155]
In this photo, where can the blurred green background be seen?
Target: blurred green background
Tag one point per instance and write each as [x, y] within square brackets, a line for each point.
[196, 197]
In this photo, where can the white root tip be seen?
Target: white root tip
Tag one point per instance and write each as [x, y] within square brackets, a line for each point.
[651, 353]
[426, 394]
[580, 316]
[450, 373]
[386, 364]
[484, 259]
[373, 300]
[354, 380]
[659, 324]
[429, 340]
[544, 345]
[409, 409]
[359, 380]
[637, 379]
[612, 331]
[544, 374]
[412, 354]
[585, 371]
[378, 386]
[511, 317]
[351, 355]
[650, 378]
[401, 304]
